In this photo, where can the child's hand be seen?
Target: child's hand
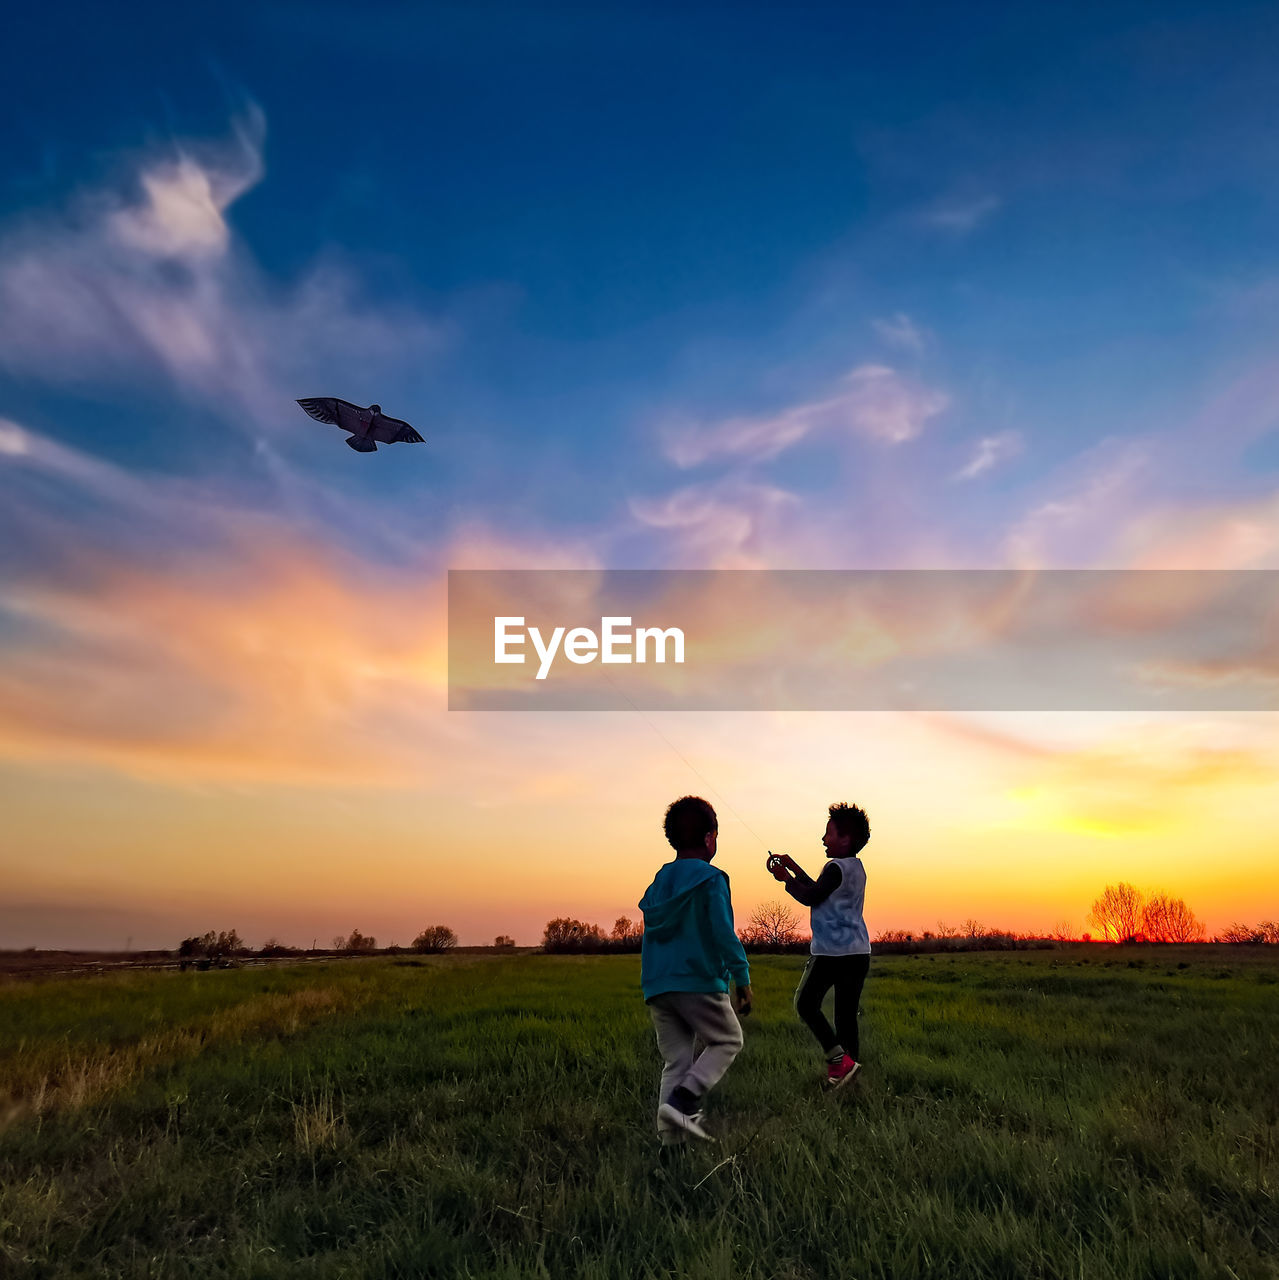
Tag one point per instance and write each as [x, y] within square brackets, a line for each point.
[743, 1001]
[776, 865]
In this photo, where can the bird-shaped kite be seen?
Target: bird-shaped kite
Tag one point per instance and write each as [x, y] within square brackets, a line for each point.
[368, 427]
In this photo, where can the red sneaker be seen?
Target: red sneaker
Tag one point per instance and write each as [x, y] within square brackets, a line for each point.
[840, 1073]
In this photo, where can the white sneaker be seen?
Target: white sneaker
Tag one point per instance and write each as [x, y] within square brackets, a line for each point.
[690, 1123]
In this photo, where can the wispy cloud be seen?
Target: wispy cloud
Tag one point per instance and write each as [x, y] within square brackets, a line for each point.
[1107, 509]
[900, 331]
[259, 656]
[873, 402]
[731, 522]
[959, 215]
[476, 545]
[1080, 522]
[181, 213]
[13, 440]
[732, 525]
[169, 630]
[988, 452]
[1221, 535]
[147, 277]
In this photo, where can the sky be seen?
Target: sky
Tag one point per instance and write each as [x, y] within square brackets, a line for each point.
[663, 286]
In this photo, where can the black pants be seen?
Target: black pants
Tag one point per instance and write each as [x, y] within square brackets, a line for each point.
[847, 974]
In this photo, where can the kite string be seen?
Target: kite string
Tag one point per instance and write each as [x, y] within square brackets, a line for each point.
[710, 786]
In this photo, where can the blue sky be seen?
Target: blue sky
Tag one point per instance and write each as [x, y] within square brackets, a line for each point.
[723, 286]
[617, 217]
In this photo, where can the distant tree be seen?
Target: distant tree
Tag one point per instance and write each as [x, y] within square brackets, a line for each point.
[357, 941]
[1165, 919]
[626, 930]
[1269, 930]
[945, 930]
[565, 934]
[1062, 931]
[435, 938]
[895, 935]
[339, 941]
[626, 934]
[214, 946]
[503, 940]
[1117, 913]
[772, 924]
[274, 947]
[974, 928]
[1241, 933]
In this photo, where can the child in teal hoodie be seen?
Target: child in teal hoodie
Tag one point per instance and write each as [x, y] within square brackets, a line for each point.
[689, 955]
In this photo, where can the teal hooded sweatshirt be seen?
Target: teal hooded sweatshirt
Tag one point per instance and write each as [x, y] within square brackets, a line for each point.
[689, 943]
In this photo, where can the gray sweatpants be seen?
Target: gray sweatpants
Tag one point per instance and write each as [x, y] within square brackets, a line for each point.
[698, 1036]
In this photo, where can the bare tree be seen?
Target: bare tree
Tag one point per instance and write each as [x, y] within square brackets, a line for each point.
[435, 938]
[1117, 913]
[1154, 918]
[1241, 933]
[772, 924]
[503, 940]
[1062, 931]
[1166, 919]
[357, 941]
[974, 928]
[1269, 930]
[1183, 924]
[945, 930]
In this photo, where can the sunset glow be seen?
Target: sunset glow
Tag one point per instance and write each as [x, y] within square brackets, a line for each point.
[852, 339]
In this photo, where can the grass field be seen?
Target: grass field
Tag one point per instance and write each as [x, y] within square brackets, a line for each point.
[1085, 1114]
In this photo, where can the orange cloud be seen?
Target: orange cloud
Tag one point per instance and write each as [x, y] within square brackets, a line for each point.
[280, 661]
[1230, 535]
[168, 632]
[1143, 784]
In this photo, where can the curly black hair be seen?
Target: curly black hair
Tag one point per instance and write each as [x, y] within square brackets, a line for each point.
[851, 821]
[689, 820]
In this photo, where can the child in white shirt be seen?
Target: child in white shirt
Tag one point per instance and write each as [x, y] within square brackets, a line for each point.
[841, 944]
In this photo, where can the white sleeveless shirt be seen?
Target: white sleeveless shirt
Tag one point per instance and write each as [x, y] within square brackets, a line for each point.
[838, 927]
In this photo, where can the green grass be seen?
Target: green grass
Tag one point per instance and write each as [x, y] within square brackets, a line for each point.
[1020, 1115]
